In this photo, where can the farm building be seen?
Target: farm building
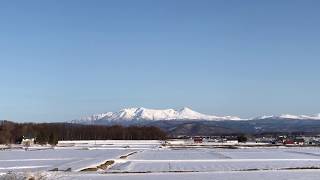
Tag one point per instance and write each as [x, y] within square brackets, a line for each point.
[27, 141]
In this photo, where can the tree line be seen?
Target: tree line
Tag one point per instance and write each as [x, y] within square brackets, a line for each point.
[51, 133]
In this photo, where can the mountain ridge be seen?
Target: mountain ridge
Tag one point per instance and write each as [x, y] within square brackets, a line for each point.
[187, 122]
[141, 113]
[184, 114]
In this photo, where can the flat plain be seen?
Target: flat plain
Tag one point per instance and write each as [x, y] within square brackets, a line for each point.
[150, 159]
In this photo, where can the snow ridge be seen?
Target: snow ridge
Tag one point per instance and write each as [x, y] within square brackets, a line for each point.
[289, 116]
[153, 114]
[133, 114]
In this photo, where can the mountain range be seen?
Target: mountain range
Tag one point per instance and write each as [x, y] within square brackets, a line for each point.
[131, 114]
[189, 122]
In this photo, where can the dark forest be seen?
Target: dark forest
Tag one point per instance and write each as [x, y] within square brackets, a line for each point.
[51, 133]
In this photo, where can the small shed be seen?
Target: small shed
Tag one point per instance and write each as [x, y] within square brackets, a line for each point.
[299, 141]
[197, 139]
[27, 141]
[288, 142]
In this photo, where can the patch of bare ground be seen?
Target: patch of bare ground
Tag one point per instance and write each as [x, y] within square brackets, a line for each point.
[92, 169]
[103, 166]
[301, 168]
[126, 156]
[24, 176]
[282, 169]
[149, 172]
[202, 146]
[64, 170]
[240, 170]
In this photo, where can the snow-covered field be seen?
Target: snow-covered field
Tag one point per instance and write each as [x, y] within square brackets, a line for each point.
[71, 156]
[209, 160]
[148, 159]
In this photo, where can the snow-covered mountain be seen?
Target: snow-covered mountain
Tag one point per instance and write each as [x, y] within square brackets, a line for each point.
[289, 116]
[129, 115]
[152, 114]
[190, 123]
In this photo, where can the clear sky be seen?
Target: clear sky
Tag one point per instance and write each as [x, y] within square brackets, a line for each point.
[60, 60]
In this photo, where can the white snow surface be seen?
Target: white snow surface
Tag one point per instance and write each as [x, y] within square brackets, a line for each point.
[222, 175]
[150, 160]
[213, 160]
[154, 114]
[61, 158]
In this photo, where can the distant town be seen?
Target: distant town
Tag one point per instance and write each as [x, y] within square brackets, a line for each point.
[250, 140]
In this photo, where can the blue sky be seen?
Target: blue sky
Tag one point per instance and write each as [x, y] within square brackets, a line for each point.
[63, 59]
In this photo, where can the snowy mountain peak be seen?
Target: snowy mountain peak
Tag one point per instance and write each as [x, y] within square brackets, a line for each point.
[187, 112]
[134, 114]
[289, 116]
[152, 114]
[186, 109]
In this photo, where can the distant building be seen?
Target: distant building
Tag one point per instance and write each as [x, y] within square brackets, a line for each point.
[288, 142]
[299, 141]
[232, 140]
[197, 139]
[27, 141]
[268, 140]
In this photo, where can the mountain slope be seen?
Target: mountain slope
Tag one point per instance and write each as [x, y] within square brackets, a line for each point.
[289, 116]
[188, 122]
[135, 114]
